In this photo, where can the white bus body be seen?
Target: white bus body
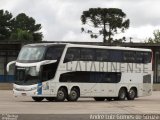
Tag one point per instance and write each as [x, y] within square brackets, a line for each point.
[69, 71]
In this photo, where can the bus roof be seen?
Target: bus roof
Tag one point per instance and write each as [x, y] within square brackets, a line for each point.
[91, 46]
[45, 44]
[109, 47]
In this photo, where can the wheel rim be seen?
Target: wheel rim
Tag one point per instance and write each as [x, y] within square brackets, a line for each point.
[122, 96]
[74, 95]
[132, 93]
[60, 95]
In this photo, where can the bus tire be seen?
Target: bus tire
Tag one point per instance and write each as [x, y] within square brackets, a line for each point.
[122, 94]
[74, 95]
[131, 94]
[50, 99]
[99, 98]
[61, 95]
[37, 99]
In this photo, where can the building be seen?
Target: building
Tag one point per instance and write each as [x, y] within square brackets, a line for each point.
[8, 52]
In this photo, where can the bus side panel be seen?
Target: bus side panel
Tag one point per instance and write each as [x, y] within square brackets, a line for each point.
[97, 90]
[130, 80]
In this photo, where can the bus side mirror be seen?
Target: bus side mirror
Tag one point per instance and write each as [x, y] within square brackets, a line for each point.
[9, 64]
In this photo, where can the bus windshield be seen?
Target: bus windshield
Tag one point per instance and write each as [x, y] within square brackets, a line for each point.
[29, 53]
[26, 76]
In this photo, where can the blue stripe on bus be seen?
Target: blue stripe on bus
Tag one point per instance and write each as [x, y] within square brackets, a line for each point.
[39, 90]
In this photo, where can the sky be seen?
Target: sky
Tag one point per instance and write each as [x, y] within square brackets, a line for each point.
[60, 19]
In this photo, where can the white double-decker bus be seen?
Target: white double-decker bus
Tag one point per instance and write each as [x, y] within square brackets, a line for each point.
[59, 71]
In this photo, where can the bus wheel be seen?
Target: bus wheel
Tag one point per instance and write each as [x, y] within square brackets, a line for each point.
[37, 99]
[131, 94]
[74, 95]
[50, 99]
[122, 94]
[61, 95]
[99, 98]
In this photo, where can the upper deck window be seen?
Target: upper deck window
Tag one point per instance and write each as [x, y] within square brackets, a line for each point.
[54, 52]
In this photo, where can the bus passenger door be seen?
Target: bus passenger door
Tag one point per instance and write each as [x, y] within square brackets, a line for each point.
[48, 73]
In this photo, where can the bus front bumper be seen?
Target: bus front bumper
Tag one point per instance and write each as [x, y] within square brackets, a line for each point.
[19, 90]
[24, 93]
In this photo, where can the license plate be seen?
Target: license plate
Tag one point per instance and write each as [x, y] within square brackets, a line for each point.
[24, 94]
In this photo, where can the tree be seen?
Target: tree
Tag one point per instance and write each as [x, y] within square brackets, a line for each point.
[108, 21]
[156, 37]
[118, 41]
[5, 24]
[26, 26]
[21, 35]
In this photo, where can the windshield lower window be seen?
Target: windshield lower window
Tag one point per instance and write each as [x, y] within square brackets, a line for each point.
[26, 76]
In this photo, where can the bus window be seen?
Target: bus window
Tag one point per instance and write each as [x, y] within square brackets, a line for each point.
[146, 57]
[91, 77]
[115, 56]
[139, 57]
[48, 71]
[102, 55]
[54, 53]
[129, 56]
[87, 54]
[73, 54]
